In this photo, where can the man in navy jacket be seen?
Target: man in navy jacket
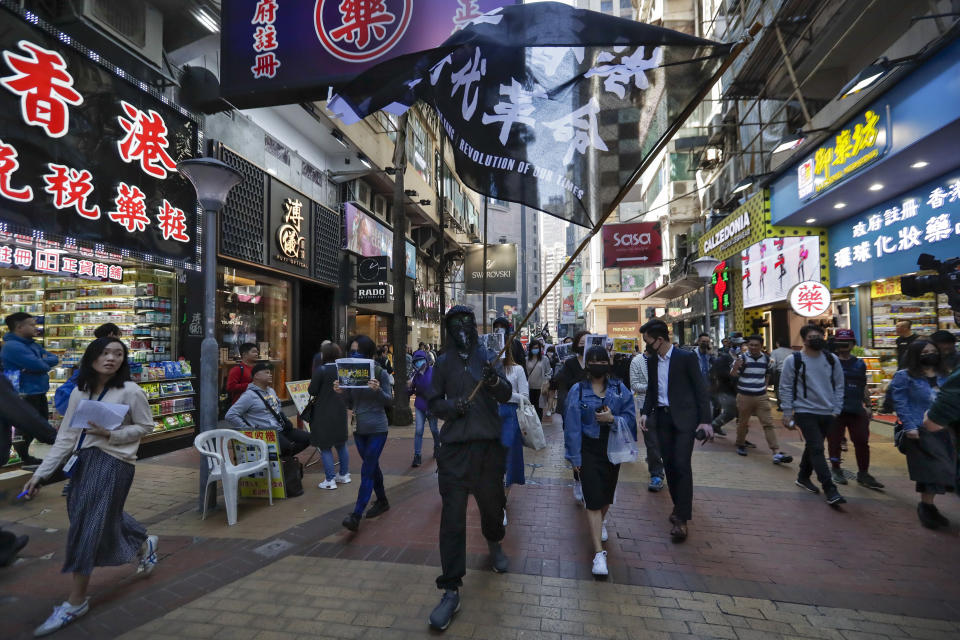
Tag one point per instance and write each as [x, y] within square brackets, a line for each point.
[22, 356]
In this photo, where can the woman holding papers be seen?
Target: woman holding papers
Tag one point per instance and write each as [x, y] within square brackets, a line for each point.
[99, 459]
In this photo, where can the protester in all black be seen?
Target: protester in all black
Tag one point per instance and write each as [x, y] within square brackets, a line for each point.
[471, 458]
[328, 421]
[724, 388]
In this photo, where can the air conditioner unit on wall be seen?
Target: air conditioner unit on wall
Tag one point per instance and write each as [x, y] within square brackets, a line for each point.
[136, 25]
[380, 205]
[359, 191]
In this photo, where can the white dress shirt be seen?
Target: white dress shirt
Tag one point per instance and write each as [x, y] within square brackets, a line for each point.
[663, 373]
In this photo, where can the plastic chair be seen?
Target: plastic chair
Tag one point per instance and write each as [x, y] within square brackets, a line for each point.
[215, 447]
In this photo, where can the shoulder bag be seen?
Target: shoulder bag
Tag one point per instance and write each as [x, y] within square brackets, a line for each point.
[530, 428]
[284, 421]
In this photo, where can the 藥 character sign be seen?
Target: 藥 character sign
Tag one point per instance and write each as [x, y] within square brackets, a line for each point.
[810, 299]
[87, 153]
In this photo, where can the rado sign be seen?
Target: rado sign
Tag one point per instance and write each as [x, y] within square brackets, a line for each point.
[373, 293]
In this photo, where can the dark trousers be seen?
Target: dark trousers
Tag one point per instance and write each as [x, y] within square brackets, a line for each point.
[859, 426]
[814, 428]
[371, 476]
[676, 447]
[292, 441]
[535, 401]
[39, 402]
[654, 459]
[728, 409]
[463, 468]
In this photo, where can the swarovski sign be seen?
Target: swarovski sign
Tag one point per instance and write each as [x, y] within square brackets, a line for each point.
[501, 268]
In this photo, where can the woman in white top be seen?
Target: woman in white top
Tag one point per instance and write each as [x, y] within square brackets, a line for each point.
[510, 434]
[101, 469]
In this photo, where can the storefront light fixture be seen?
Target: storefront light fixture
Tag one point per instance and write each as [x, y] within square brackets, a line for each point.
[211, 178]
[876, 186]
[811, 220]
[338, 137]
[872, 74]
[364, 161]
[919, 164]
[705, 266]
[840, 205]
[206, 20]
[411, 192]
[424, 203]
[748, 182]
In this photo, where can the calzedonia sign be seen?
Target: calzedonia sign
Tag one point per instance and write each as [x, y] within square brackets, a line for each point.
[737, 229]
[88, 154]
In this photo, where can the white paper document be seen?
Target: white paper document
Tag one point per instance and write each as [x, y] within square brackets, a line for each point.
[105, 414]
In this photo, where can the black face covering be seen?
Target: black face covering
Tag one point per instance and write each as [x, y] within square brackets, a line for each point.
[817, 344]
[930, 359]
[598, 369]
[650, 349]
[578, 350]
[463, 330]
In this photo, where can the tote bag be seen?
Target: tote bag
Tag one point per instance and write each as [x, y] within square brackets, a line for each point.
[530, 427]
[621, 447]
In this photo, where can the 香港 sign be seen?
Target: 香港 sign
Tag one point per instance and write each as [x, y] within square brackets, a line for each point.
[849, 151]
[635, 244]
[810, 299]
[88, 155]
[275, 52]
[885, 241]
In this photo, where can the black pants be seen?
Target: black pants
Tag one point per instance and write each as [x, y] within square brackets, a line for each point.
[814, 428]
[292, 441]
[463, 468]
[535, 401]
[39, 402]
[676, 447]
[654, 458]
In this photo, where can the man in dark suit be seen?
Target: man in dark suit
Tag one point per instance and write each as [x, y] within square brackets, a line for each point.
[676, 406]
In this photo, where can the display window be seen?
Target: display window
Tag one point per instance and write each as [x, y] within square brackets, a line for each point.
[375, 326]
[142, 301]
[254, 308]
[888, 310]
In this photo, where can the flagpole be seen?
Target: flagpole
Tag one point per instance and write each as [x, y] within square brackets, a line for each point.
[664, 140]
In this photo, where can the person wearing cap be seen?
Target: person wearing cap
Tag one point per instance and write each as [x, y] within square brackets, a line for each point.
[855, 415]
[259, 408]
[946, 344]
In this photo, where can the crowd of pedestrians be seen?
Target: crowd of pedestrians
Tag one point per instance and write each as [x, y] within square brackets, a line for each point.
[667, 396]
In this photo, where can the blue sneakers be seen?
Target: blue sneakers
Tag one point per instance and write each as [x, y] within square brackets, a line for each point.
[656, 483]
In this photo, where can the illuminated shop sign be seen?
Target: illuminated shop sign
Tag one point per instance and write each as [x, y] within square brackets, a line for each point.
[849, 151]
[23, 252]
[87, 152]
[885, 241]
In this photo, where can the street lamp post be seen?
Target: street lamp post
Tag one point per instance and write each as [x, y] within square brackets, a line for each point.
[213, 180]
[705, 266]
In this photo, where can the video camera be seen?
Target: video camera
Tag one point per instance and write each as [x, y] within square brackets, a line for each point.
[946, 281]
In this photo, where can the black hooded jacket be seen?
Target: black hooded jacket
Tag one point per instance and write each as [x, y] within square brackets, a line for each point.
[455, 378]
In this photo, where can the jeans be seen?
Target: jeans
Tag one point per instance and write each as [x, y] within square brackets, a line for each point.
[814, 428]
[371, 477]
[423, 416]
[329, 469]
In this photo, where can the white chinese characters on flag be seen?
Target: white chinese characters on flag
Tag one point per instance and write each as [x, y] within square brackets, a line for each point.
[810, 299]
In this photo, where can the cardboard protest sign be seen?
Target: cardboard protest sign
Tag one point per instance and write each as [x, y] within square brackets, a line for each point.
[298, 390]
[354, 373]
[564, 350]
[596, 340]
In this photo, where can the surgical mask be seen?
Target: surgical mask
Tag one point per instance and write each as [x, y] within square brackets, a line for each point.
[598, 369]
[930, 359]
[535, 352]
[817, 344]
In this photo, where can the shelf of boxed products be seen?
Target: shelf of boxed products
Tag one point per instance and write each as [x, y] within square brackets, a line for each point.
[170, 391]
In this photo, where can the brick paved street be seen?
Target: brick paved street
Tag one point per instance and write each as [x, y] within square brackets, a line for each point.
[764, 560]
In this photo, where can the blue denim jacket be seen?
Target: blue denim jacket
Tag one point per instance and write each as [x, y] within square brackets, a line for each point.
[579, 416]
[912, 397]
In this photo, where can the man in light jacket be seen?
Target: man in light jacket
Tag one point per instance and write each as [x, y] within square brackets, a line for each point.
[638, 384]
[259, 408]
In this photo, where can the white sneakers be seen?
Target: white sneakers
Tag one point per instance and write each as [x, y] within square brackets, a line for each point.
[504, 517]
[577, 491]
[600, 564]
[603, 532]
[332, 484]
[148, 556]
[62, 615]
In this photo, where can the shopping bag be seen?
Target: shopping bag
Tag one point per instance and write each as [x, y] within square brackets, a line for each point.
[621, 447]
[530, 427]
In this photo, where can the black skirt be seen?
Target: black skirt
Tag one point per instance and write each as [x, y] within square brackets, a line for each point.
[101, 533]
[597, 474]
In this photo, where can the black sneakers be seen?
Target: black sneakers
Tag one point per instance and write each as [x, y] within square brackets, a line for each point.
[442, 615]
[834, 497]
[498, 559]
[930, 516]
[351, 522]
[417, 460]
[378, 507]
[806, 484]
[868, 481]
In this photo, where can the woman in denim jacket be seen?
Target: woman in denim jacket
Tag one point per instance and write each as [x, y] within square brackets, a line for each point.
[931, 457]
[594, 408]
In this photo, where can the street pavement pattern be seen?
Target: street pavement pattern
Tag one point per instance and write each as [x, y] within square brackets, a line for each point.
[764, 559]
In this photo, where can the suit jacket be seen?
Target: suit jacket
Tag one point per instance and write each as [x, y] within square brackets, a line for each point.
[686, 390]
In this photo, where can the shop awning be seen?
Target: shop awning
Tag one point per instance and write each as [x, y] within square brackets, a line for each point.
[679, 287]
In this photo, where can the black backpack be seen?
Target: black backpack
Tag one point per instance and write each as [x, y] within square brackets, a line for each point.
[800, 369]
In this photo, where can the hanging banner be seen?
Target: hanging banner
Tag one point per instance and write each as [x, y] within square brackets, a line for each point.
[501, 268]
[545, 104]
[635, 244]
[566, 297]
[276, 52]
[86, 155]
[365, 236]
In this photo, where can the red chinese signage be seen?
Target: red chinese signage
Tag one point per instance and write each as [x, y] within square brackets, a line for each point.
[635, 244]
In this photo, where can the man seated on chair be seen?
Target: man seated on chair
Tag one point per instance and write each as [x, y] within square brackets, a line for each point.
[259, 408]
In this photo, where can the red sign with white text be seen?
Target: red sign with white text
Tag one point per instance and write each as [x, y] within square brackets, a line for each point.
[634, 244]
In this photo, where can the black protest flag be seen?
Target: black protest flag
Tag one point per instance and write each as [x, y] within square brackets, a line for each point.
[546, 105]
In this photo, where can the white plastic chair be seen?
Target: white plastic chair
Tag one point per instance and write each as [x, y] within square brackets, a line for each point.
[215, 447]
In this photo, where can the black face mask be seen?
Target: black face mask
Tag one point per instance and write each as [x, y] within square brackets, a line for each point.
[817, 344]
[463, 330]
[598, 369]
[578, 351]
[930, 359]
[650, 349]
[704, 348]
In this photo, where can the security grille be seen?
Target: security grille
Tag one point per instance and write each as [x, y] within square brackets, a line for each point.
[327, 244]
[242, 222]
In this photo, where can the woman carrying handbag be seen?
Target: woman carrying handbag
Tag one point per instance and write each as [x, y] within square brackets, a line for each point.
[328, 419]
[538, 374]
[101, 469]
